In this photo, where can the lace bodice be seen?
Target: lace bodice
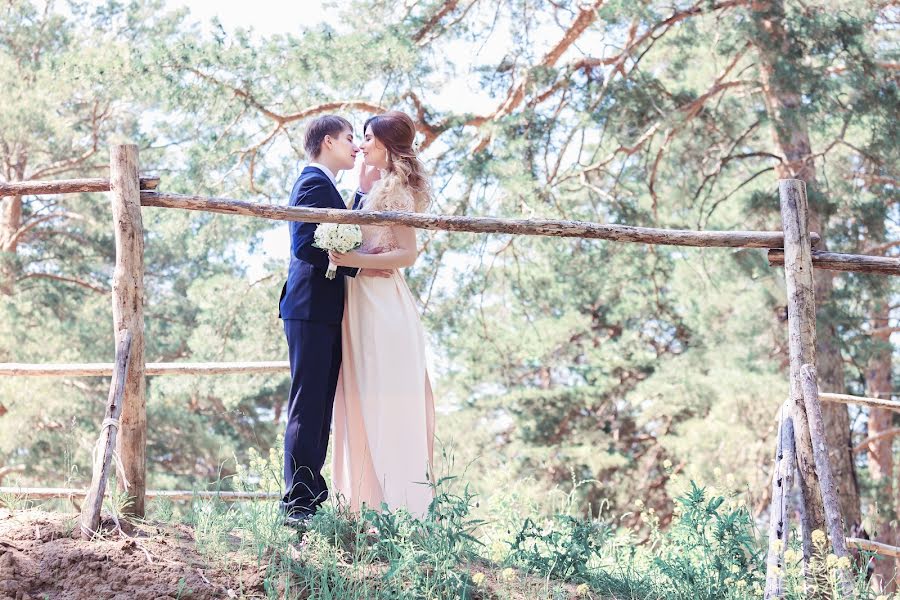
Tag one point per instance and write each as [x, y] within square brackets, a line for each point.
[387, 194]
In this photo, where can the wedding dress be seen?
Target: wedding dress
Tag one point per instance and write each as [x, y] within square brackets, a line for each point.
[383, 407]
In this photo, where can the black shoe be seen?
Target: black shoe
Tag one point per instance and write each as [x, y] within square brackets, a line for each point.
[298, 522]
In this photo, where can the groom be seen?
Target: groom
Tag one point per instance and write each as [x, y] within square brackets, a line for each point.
[312, 307]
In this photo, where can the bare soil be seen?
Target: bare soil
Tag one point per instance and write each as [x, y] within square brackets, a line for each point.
[43, 557]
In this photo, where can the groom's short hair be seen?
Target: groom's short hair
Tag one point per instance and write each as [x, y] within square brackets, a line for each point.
[318, 128]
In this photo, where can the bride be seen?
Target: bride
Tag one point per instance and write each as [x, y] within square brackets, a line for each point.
[383, 407]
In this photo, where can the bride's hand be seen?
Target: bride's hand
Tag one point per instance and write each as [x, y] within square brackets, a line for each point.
[368, 175]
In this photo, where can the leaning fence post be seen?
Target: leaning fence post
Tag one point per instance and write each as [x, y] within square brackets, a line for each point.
[823, 467]
[798, 273]
[128, 315]
[103, 451]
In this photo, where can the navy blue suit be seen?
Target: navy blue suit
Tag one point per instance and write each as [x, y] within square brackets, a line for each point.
[312, 307]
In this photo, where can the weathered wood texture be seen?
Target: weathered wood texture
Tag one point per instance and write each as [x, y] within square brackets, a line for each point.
[90, 509]
[106, 369]
[876, 547]
[782, 482]
[798, 273]
[128, 315]
[66, 186]
[830, 501]
[848, 399]
[53, 493]
[833, 261]
[546, 227]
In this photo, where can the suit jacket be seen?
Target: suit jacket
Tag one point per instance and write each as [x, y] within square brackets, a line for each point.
[308, 294]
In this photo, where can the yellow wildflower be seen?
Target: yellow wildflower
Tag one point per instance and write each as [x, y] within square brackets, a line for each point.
[741, 583]
[667, 464]
[818, 537]
[639, 503]
[478, 578]
[734, 569]
[508, 574]
[791, 556]
[777, 545]
[831, 561]
[843, 562]
[582, 590]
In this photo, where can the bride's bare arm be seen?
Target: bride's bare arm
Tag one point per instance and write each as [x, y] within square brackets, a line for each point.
[404, 255]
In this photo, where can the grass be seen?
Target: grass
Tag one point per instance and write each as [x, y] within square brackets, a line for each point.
[712, 550]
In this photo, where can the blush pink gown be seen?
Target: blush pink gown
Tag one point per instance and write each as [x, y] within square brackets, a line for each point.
[383, 407]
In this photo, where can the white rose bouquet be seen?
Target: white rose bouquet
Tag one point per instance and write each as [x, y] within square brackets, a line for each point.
[338, 237]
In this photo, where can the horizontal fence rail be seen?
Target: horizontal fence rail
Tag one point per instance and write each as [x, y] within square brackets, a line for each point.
[872, 402]
[54, 493]
[874, 547]
[66, 186]
[272, 366]
[547, 227]
[106, 369]
[833, 261]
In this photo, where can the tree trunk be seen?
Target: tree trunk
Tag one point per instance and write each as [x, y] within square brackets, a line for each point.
[880, 459]
[10, 221]
[779, 53]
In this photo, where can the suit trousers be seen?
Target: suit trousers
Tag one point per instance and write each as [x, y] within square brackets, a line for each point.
[315, 357]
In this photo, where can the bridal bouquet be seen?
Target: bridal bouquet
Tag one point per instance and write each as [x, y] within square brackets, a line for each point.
[338, 237]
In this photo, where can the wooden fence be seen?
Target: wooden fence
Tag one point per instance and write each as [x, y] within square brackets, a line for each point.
[793, 247]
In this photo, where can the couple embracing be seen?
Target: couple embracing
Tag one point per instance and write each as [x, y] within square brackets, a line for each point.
[356, 343]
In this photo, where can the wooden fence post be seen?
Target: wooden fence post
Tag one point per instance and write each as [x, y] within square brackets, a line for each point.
[93, 502]
[830, 500]
[782, 483]
[798, 273]
[128, 315]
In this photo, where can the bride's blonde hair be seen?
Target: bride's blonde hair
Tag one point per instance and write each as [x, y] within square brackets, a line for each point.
[397, 131]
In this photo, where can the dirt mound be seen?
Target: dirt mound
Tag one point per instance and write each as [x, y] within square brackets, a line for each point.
[42, 556]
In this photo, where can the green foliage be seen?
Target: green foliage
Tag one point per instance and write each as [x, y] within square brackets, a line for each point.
[712, 550]
[563, 552]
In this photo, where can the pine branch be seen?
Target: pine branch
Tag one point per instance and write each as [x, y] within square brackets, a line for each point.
[64, 279]
[435, 19]
[20, 233]
[864, 445]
